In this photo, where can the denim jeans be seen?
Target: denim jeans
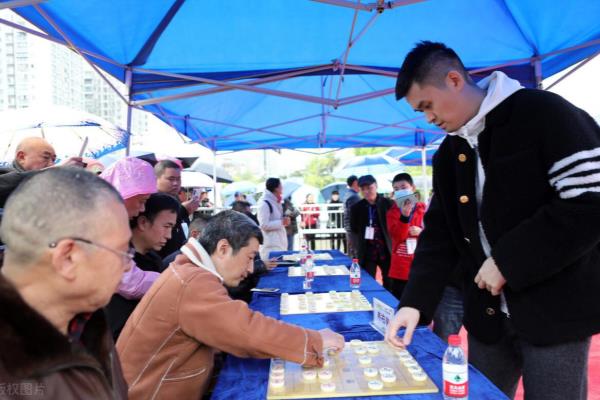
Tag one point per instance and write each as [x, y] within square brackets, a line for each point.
[290, 242]
[448, 316]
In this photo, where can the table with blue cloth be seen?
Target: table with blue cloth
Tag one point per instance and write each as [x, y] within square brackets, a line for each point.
[248, 378]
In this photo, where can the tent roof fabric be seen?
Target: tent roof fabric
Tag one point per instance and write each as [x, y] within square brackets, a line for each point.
[249, 75]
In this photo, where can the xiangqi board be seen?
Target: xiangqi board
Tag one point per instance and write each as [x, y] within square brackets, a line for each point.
[330, 302]
[361, 369]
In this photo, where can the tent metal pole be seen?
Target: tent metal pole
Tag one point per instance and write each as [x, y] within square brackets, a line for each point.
[215, 173]
[19, 3]
[537, 67]
[76, 49]
[424, 171]
[372, 70]
[57, 41]
[379, 5]
[128, 78]
[366, 96]
[255, 82]
[345, 55]
[581, 64]
[279, 93]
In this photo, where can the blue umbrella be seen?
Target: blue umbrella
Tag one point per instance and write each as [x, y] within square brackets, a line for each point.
[411, 155]
[369, 165]
[245, 187]
[341, 187]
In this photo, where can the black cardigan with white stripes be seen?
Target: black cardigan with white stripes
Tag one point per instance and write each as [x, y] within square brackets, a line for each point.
[540, 212]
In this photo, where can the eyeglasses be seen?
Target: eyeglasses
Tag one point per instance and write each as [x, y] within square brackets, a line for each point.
[126, 257]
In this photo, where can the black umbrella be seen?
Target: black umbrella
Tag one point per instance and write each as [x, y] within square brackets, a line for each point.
[207, 168]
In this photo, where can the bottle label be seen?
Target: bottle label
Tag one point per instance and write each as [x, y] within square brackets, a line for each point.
[354, 280]
[456, 380]
[310, 274]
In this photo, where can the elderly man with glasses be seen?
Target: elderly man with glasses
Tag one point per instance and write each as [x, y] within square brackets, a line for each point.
[66, 250]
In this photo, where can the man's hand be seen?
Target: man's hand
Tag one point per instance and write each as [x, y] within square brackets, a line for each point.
[191, 205]
[489, 277]
[407, 208]
[415, 230]
[270, 264]
[331, 340]
[286, 221]
[407, 317]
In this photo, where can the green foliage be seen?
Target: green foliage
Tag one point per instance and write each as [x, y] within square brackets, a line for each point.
[246, 175]
[319, 171]
[418, 171]
[367, 151]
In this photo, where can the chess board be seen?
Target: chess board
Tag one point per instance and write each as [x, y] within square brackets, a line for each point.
[316, 256]
[314, 303]
[320, 270]
[361, 369]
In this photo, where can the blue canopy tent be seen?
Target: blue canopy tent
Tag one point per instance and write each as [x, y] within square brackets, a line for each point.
[305, 74]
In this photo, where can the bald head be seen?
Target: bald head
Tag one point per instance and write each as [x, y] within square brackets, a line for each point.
[34, 153]
[53, 204]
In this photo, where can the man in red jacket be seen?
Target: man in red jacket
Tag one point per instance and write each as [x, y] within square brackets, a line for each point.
[405, 223]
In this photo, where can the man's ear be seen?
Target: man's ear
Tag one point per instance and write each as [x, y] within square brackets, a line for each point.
[62, 257]
[223, 249]
[455, 80]
[20, 156]
[143, 223]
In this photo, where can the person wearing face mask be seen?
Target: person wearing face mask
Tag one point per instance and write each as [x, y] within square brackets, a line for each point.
[405, 223]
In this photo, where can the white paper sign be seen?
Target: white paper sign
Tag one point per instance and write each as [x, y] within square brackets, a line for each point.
[382, 315]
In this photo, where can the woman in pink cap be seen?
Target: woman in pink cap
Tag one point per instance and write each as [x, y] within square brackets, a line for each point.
[134, 179]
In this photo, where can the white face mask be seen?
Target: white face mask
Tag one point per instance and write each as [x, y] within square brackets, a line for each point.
[398, 194]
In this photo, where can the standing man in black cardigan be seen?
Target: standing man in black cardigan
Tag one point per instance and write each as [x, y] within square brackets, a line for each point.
[369, 224]
[517, 208]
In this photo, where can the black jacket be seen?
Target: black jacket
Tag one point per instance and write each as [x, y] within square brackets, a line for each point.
[37, 361]
[540, 216]
[178, 237]
[119, 309]
[359, 220]
[350, 199]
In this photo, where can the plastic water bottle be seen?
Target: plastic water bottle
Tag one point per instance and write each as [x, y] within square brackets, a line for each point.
[309, 268]
[309, 273]
[354, 274]
[455, 371]
[303, 252]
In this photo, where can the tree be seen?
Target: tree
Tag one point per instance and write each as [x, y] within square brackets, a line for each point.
[319, 171]
[367, 151]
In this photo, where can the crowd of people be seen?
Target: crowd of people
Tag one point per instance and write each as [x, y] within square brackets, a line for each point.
[112, 286]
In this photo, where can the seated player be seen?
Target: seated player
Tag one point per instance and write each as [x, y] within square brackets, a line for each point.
[150, 231]
[168, 344]
[66, 235]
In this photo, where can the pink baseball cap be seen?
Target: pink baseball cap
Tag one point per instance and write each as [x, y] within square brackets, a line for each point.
[131, 177]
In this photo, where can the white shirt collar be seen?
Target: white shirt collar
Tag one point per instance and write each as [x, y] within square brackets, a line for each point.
[192, 249]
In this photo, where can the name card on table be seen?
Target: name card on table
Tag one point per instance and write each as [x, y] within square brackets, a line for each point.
[382, 315]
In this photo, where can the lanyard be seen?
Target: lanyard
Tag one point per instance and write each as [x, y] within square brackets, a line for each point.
[371, 213]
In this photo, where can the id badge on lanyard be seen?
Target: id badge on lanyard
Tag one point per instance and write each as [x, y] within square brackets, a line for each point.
[370, 230]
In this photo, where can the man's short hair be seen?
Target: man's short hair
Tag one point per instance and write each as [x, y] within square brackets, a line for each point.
[428, 63]
[199, 223]
[335, 192]
[156, 203]
[162, 166]
[272, 184]
[403, 177]
[53, 204]
[240, 206]
[233, 226]
[351, 179]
